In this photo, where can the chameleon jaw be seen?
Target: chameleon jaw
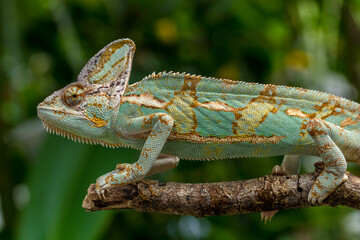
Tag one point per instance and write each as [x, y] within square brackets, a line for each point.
[54, 130]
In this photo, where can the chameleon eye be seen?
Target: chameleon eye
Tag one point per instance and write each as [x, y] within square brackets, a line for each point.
[73, 95]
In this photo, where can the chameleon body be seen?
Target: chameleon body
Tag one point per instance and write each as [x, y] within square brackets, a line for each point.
[177, 115]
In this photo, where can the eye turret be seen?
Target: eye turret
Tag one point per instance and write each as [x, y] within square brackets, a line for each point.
[73, 95]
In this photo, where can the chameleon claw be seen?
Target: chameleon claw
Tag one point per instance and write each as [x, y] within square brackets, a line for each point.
[316, 199]
[313, 196]
[313, 200]
[268, 215]
[278, 170]
[319, 193]
[103, 194]
[102, 183]
[123, 174]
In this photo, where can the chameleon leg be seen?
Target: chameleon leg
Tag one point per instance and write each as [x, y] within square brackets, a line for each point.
[333, 175]
[159, 125]
[290, 166]
[162, 163]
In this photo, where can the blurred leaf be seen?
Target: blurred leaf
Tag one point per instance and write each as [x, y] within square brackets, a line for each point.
[166, 30]
[297, 60]
[58, 184]
[229, 71]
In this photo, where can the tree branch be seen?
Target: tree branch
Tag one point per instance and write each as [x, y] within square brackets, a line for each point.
[223, 198]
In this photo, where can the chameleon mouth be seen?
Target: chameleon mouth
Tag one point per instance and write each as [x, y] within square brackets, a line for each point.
[60, 132]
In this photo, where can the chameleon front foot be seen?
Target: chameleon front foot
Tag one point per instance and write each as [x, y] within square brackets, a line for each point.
[103, 183]
[123, 174]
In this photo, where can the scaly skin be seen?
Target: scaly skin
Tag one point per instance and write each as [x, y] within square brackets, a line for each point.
[194, 117]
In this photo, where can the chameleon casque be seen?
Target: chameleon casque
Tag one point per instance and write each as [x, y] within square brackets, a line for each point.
[176, 115]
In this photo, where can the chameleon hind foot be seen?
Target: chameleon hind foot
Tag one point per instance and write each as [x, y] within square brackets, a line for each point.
[279, 170]
[323, 186]
[268, 215]
[334, 174]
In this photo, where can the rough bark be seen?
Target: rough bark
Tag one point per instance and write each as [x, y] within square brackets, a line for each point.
[223, 198]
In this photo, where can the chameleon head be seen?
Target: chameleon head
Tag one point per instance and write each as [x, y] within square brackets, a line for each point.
[83, 110]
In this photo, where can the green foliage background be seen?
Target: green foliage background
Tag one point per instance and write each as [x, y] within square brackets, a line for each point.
[43, 46]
